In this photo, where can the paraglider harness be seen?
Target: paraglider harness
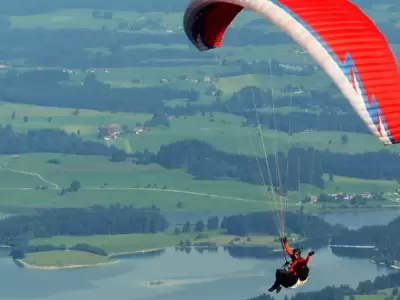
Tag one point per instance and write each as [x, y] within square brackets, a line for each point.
[302, 278]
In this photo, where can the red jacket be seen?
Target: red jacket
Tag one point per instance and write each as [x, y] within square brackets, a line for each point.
[297, 263]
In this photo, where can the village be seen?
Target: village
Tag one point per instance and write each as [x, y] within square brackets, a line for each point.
[114, 131]
[358, 199]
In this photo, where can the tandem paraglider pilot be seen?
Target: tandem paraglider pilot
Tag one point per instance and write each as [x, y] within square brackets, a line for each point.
[297, 272]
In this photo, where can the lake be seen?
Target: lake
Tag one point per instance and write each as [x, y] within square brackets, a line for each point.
[197, 276]
[209, 275]
[355, 220]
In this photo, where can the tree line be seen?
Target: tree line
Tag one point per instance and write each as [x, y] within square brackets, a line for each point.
[45, 89]
[315, 229]
[330, 100]
[296, 122]
[17, 230]
[298, 165]
[50, 141]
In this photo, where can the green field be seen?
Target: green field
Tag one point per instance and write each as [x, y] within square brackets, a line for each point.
[226, 133]
[105, 183]
[131, 77]
[86, 122]
[82, 18]
[63, 259]
[230, 85]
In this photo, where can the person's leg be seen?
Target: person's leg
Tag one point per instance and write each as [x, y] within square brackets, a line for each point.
[279, 275]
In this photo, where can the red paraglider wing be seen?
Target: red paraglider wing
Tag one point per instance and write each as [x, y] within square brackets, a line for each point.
[340, 38]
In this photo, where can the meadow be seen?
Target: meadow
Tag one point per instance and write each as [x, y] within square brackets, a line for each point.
[63, 259]
[105, 183]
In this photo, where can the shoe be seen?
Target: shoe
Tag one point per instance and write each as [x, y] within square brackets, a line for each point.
[272, 288]
[278, 289]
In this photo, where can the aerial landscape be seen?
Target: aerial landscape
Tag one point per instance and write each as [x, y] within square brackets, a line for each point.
[134, 166]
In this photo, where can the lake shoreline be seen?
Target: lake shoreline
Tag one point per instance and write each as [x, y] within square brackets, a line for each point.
[135, 252]
[47, 268]
[24, 264]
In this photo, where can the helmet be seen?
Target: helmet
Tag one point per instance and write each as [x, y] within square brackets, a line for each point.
[297, 251]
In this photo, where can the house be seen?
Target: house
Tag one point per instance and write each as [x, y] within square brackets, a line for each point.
[139, 129]
[366, 195]
[114, 129]
[164, 80]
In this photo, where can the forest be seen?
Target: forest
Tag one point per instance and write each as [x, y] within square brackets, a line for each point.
[43, 89]
[242, 101]
[116, 219]
[315, 229]
[51, 141]
[299, 165]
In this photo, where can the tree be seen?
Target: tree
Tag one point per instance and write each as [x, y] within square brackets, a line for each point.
[212, 223]
[17, 253]
[75, 185]
[186, 227]
[324, 198]
[344, 139]
[96, 14]
[330, 177]
[199, 226]
[108, 15]
[13, 115]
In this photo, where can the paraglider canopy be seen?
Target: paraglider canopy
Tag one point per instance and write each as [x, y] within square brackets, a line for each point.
[337, 35]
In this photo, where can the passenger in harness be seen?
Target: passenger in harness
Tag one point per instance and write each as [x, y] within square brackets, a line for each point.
[297, 273]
